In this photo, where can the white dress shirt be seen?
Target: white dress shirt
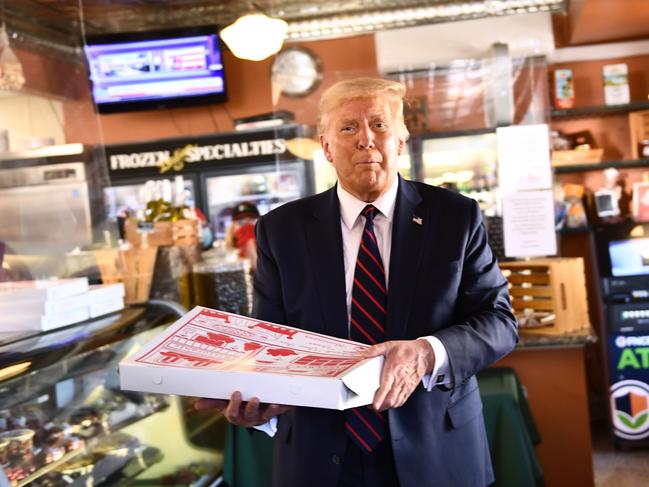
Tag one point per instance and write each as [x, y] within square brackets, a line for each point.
[352, 224]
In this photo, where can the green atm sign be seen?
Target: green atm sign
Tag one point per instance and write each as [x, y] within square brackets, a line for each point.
[635, 358]
[629, 354]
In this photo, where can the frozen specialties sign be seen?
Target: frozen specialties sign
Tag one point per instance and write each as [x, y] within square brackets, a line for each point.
[209, 353]
[173, 156]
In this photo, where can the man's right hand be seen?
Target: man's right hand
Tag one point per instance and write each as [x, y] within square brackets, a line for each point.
[242, 413]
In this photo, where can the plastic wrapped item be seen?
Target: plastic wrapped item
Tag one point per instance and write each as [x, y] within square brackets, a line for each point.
[223, 284]
[575, 213]
[11, 71]
[172, 273]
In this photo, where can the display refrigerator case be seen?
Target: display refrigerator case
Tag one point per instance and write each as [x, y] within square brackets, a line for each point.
[64, 420]
[219, 171]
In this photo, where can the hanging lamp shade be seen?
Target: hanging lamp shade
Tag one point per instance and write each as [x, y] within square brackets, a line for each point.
[255, 36]
[11, 71]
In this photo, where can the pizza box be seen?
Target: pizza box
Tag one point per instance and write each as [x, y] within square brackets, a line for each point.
[44, 322]
[100, 293]
[210, 353]
[101, 308]
[35, 306]
[42, 290]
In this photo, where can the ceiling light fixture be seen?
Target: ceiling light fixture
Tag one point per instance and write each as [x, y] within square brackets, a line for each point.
[255, 36]
[408, 17]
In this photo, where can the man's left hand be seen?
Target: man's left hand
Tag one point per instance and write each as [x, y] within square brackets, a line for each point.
[406, 362]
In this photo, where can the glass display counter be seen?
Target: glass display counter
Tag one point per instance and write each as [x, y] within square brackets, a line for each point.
[64, 420]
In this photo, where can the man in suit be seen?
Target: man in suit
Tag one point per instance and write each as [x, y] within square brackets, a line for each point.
[404, 267]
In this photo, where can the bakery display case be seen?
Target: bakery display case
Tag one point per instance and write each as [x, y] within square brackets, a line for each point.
[65, 422]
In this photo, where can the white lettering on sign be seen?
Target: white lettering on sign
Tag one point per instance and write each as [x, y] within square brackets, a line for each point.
[194, 153]
[631, 341]
[138, 159]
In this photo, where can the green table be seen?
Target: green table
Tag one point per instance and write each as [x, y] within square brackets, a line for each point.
[510, 427]
[511, 430]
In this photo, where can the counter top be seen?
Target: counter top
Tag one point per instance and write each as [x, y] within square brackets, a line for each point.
[29, 350]
[576, 339]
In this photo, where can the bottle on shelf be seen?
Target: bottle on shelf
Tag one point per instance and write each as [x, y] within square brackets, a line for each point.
[151, 196]
[180, 209]
[165, 205]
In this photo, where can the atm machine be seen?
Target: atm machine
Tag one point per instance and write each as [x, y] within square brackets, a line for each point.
[623, 258]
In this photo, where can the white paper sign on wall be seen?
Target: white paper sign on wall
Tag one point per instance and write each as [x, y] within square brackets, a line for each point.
[524, 158]
[528, 224]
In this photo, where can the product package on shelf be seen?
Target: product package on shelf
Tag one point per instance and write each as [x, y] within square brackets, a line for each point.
[210, 353]
[172, 273]
[563, 89]
[616, 84]
[43, 304]
[639, 130]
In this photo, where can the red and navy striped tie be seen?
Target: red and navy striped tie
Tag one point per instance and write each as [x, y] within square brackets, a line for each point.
[365, 426]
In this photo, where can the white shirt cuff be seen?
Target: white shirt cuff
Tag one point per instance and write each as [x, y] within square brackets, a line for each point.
[269, 427]
[439, 375]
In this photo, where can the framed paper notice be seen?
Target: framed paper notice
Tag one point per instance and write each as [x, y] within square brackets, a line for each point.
[528, 224]
[524, 158]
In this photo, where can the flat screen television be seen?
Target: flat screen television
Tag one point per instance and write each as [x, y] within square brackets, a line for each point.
[156, 69]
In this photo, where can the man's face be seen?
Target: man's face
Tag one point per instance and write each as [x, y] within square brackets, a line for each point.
[362, 142]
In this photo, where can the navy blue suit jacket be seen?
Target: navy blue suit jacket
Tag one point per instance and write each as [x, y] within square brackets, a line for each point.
[444, 281]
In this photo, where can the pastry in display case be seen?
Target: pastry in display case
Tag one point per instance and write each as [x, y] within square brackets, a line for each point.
[65, 421]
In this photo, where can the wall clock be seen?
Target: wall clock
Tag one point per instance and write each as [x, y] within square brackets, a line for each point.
[297, 71]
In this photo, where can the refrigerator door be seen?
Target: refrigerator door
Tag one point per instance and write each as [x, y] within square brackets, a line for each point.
[266, 186]
[45, 209]
[127, 197]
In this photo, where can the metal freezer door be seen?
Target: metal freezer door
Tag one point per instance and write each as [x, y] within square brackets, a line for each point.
[45, 219]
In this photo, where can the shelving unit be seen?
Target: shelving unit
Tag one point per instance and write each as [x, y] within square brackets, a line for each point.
[597, 111]
[624, 164]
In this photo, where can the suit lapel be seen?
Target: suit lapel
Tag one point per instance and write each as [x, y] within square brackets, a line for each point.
[325, 251]
[408, 231]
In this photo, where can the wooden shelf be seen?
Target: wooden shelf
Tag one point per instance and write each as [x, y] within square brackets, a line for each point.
[628, 164]
[571, 230]
[597, 111]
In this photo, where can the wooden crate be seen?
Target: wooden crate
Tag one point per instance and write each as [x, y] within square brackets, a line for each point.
[181, 232]
[553, 285]
[573, 157]
[134, 267]
[639, 128]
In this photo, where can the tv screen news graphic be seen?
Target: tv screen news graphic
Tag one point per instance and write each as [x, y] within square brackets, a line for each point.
[147, 70]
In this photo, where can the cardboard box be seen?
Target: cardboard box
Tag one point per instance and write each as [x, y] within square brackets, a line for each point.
[44, 290]
[44, 322]
[101, 308]
[209, 353]
[43, 305]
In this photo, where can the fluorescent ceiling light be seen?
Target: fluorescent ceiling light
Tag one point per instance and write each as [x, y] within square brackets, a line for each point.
[352, 24]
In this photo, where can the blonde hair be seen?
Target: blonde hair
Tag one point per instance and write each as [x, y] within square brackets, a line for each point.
[359, 88]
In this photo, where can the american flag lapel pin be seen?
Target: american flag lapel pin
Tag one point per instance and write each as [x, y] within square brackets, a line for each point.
[418, 220]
